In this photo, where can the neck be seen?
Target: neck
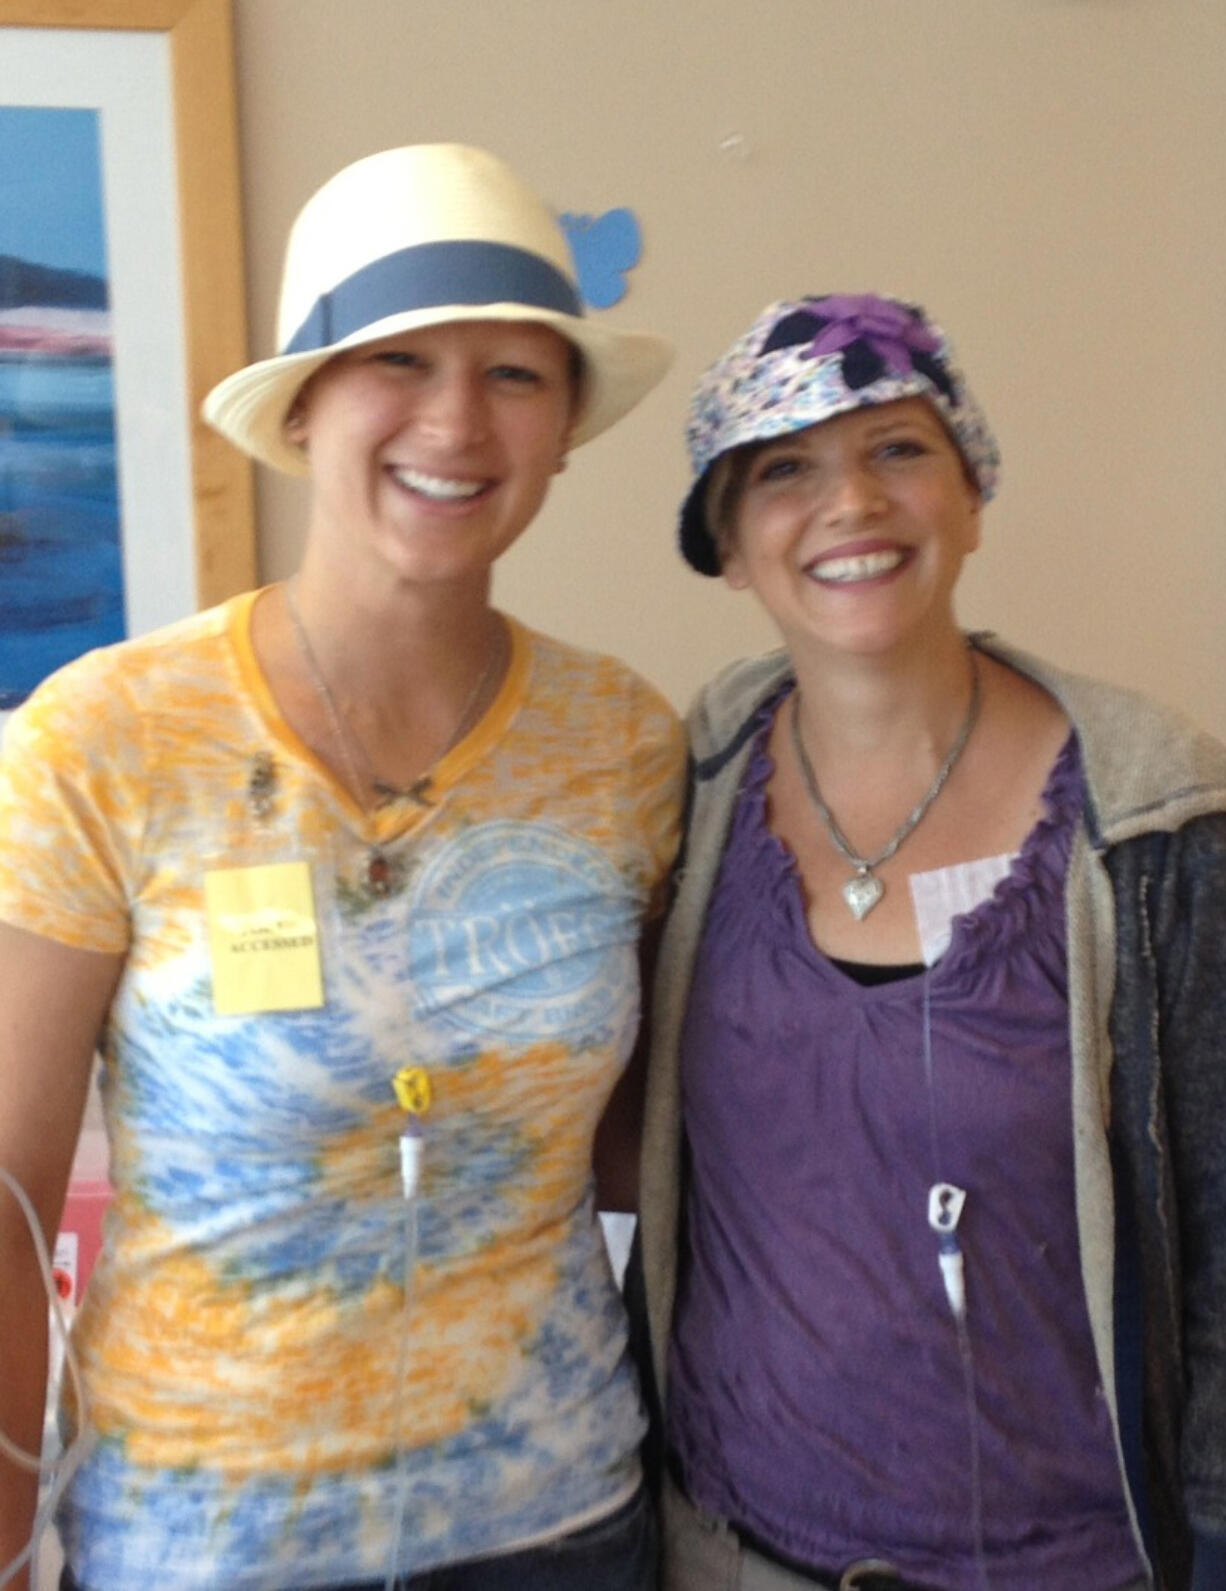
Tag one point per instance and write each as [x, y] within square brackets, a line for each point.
[371, 644]
[884, 706]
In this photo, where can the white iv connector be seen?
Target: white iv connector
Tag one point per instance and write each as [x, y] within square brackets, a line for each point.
[953, 1275]
[945, 1203]
[410, 1163]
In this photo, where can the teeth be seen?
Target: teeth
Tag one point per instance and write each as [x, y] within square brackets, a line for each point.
[435, 486]
[863, 566]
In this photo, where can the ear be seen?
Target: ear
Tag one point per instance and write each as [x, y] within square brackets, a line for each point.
[974, 521]
[567, 439]
[733, 571]
[295, 426]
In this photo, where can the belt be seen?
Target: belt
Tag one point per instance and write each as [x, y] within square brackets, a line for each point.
[872, 1574]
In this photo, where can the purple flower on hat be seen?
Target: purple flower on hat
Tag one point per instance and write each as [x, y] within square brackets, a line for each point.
[894, 330]
[873, 335]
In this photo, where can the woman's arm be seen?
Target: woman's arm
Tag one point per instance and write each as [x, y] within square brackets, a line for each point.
[616, 1151]
[619, 1134]
[1192, 961]
[1168, 1125]
[53, 1001]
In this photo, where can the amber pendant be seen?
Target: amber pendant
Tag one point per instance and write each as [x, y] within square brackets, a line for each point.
[380, 874]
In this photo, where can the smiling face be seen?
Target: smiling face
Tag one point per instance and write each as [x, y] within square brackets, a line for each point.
[852, 533]
[431, 451]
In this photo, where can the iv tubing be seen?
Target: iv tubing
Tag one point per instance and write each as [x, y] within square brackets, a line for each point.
[59, 1470]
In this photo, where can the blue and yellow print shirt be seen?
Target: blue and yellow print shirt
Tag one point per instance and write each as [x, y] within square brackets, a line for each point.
[242, 1334]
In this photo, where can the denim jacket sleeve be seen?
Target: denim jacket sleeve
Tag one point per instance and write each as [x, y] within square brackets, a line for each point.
[1193, 1013]
[1169, 1131]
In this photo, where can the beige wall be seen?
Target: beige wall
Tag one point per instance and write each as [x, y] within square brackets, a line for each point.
[1047, 176]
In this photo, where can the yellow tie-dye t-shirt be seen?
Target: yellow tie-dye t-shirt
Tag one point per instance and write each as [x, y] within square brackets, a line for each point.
[242, 1333]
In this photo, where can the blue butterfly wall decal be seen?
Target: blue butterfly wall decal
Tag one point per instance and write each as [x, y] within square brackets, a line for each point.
[604, 248]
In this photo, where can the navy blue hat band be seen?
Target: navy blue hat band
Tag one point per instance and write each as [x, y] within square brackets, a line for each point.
[428, 275]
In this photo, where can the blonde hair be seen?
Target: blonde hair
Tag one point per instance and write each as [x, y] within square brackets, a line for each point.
[722, 496]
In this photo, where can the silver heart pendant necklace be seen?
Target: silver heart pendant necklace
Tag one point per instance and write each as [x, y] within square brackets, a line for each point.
[864, 889]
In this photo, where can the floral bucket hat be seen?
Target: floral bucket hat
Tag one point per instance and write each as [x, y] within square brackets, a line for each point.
[806, 360]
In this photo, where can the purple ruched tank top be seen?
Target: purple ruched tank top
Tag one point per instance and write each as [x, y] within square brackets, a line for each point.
[819, 1395]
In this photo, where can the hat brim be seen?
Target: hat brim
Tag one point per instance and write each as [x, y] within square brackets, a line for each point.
[697, 543]
[620, 368]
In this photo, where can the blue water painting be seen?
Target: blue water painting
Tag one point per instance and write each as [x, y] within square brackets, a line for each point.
[61, 564]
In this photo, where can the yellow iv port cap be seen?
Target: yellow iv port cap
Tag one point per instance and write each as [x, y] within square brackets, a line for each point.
[412, 1085]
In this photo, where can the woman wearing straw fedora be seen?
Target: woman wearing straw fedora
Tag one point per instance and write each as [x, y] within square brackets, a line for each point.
[349, 876]
[939, 1021]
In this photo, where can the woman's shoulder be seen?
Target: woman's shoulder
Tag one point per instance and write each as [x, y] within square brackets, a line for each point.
[133, 676]
[1146, 764]
[729, 703]
[581, 672]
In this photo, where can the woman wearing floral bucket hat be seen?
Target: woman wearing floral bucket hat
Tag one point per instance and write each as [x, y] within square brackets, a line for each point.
[936, 1092]
[349, 874]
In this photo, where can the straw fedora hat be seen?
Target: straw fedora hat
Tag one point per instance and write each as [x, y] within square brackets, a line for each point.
[415, 237]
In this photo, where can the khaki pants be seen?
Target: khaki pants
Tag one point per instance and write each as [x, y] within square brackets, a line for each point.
[700, 1554]
[704, 1555]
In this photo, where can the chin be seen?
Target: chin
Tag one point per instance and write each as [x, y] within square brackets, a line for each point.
[404, 555]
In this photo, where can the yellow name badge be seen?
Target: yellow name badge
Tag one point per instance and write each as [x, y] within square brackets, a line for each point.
[263, 938]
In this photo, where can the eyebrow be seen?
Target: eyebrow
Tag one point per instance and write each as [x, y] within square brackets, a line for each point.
[892, 422]
[915, 422]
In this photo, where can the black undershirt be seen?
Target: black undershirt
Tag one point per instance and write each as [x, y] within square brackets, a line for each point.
[870, 973]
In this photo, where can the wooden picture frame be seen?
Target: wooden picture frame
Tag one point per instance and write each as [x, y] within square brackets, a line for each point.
[201, 53]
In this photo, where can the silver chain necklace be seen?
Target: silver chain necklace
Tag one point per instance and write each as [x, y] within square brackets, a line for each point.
[382, 874]
[865, 889]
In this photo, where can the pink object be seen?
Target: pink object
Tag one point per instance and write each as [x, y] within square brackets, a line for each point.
[89, 1193]
[83, 1213]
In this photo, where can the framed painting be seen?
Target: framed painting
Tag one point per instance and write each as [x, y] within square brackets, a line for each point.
[121, 303]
